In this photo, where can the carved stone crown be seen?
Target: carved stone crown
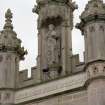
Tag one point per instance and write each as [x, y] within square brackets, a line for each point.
[94, 7]
[95, 10]
[8, 38]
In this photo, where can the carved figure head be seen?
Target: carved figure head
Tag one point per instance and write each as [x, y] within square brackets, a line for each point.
[51, 27]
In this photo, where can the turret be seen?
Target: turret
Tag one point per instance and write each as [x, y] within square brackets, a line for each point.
[11, 53]
[55, 23]
[92, 26]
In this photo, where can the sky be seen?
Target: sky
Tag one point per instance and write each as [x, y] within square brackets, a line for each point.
[25, 25]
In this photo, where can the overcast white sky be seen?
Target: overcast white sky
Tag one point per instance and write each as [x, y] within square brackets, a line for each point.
[25, 25]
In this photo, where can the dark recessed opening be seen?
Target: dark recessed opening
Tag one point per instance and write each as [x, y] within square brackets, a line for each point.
[52, 20]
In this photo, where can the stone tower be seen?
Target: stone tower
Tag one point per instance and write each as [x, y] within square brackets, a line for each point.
[93, 28]
[11, 53]
[55, 23]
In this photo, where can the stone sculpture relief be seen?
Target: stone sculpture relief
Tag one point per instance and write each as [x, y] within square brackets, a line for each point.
[52, 45]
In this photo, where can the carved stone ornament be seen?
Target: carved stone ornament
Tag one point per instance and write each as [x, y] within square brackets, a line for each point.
[92, 29]
[94, 7]
[8, 37]
[95, 70]
[95, 10]
[8, 57]
[102, 28]
[7, 96]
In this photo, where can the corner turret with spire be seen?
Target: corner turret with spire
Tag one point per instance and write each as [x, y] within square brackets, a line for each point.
[92, 26]
[11, 53]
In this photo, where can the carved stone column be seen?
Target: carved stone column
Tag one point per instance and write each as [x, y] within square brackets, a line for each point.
[66, 48]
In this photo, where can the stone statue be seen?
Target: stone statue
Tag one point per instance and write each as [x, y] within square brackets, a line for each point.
[52, 46]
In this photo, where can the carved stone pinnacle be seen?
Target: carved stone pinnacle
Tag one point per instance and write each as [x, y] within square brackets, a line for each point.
[8, 21]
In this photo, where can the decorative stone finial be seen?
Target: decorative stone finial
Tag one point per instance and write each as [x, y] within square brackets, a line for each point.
[8, 38]
[8, 21]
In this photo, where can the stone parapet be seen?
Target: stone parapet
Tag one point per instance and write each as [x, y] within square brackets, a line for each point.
[25, 81]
